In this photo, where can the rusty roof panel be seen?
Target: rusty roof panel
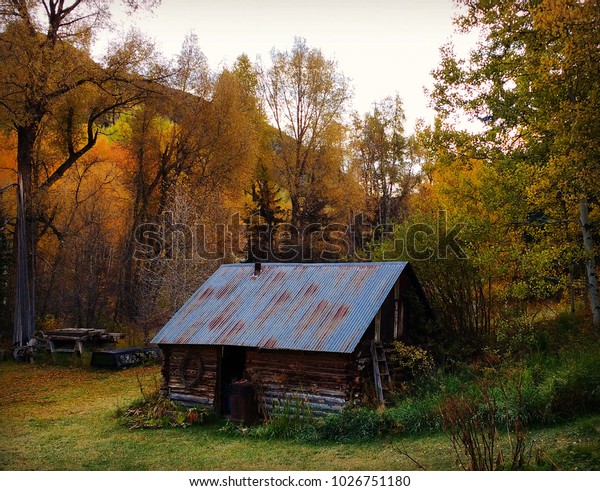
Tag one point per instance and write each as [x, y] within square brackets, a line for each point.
[307, 307]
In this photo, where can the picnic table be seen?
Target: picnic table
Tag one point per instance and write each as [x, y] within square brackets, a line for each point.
[69, 340]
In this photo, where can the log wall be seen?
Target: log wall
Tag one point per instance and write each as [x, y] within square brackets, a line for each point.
[322, 381]
[180, 374]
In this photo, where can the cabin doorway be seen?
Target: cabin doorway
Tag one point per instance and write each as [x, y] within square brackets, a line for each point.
[233, 365]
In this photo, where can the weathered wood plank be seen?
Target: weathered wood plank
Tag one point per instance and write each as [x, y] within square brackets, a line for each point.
[325, 381]
[315, 411]
[320, 380]
[317, 392]
[196, 400]
[204, 391]
[376, 373]
[295, 398]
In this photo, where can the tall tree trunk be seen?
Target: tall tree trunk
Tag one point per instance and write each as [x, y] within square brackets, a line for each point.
[24, 318]
[590, 262]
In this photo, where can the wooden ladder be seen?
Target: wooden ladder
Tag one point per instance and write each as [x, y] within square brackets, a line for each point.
[381, 371]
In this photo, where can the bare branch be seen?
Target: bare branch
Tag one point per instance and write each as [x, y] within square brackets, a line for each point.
[7, 187]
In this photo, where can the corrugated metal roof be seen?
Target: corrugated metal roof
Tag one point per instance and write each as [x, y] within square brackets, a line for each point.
[307, 307]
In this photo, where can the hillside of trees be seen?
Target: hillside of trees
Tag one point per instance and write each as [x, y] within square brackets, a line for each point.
[126, 181]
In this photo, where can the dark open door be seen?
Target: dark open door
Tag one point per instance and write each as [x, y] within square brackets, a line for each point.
[232, 364]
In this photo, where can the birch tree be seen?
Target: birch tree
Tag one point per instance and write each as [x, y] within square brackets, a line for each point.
[534, 81]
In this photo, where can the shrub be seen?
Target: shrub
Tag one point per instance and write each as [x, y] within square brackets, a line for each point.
[417, 414]
[535, 406]
[287, 420]
[417, 409]
[291, 418]
[355, 425]
[346, 426]
[413, 360]
[157, 411]
[471, 421]
[515, 336]
[574, 388]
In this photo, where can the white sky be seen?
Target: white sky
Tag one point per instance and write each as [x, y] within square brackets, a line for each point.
[384, 46]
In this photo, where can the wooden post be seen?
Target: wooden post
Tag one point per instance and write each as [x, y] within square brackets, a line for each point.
[78, 350]
[397, 313]
[52, 352]
[376, 373]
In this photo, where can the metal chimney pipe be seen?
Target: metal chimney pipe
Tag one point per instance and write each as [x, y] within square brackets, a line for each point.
[257, 269]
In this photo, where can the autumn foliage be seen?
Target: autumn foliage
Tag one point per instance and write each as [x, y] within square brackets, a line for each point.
[140, 176]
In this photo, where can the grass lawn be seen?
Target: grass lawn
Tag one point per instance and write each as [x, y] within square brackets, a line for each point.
[62, 418]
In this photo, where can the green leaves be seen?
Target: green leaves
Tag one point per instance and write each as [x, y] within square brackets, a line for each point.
[534, 82]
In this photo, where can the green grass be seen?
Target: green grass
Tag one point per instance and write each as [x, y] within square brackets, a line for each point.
[63, 418]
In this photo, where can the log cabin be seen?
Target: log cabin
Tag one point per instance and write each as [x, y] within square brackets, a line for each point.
[314, 333]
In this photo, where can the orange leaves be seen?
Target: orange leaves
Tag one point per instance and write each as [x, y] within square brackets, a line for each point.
[8, 158]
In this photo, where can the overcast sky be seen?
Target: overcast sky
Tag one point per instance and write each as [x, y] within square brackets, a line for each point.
[384, 46]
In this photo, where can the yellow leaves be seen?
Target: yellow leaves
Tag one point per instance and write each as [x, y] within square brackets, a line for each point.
[229, 119]
[552, 15]
[95, 182]
[570, 28]
[455, 187]
[413, 360]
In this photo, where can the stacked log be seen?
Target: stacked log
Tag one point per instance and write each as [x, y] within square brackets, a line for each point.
[318, 383]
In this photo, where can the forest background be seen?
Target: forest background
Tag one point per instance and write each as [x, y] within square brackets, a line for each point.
[128, 179]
